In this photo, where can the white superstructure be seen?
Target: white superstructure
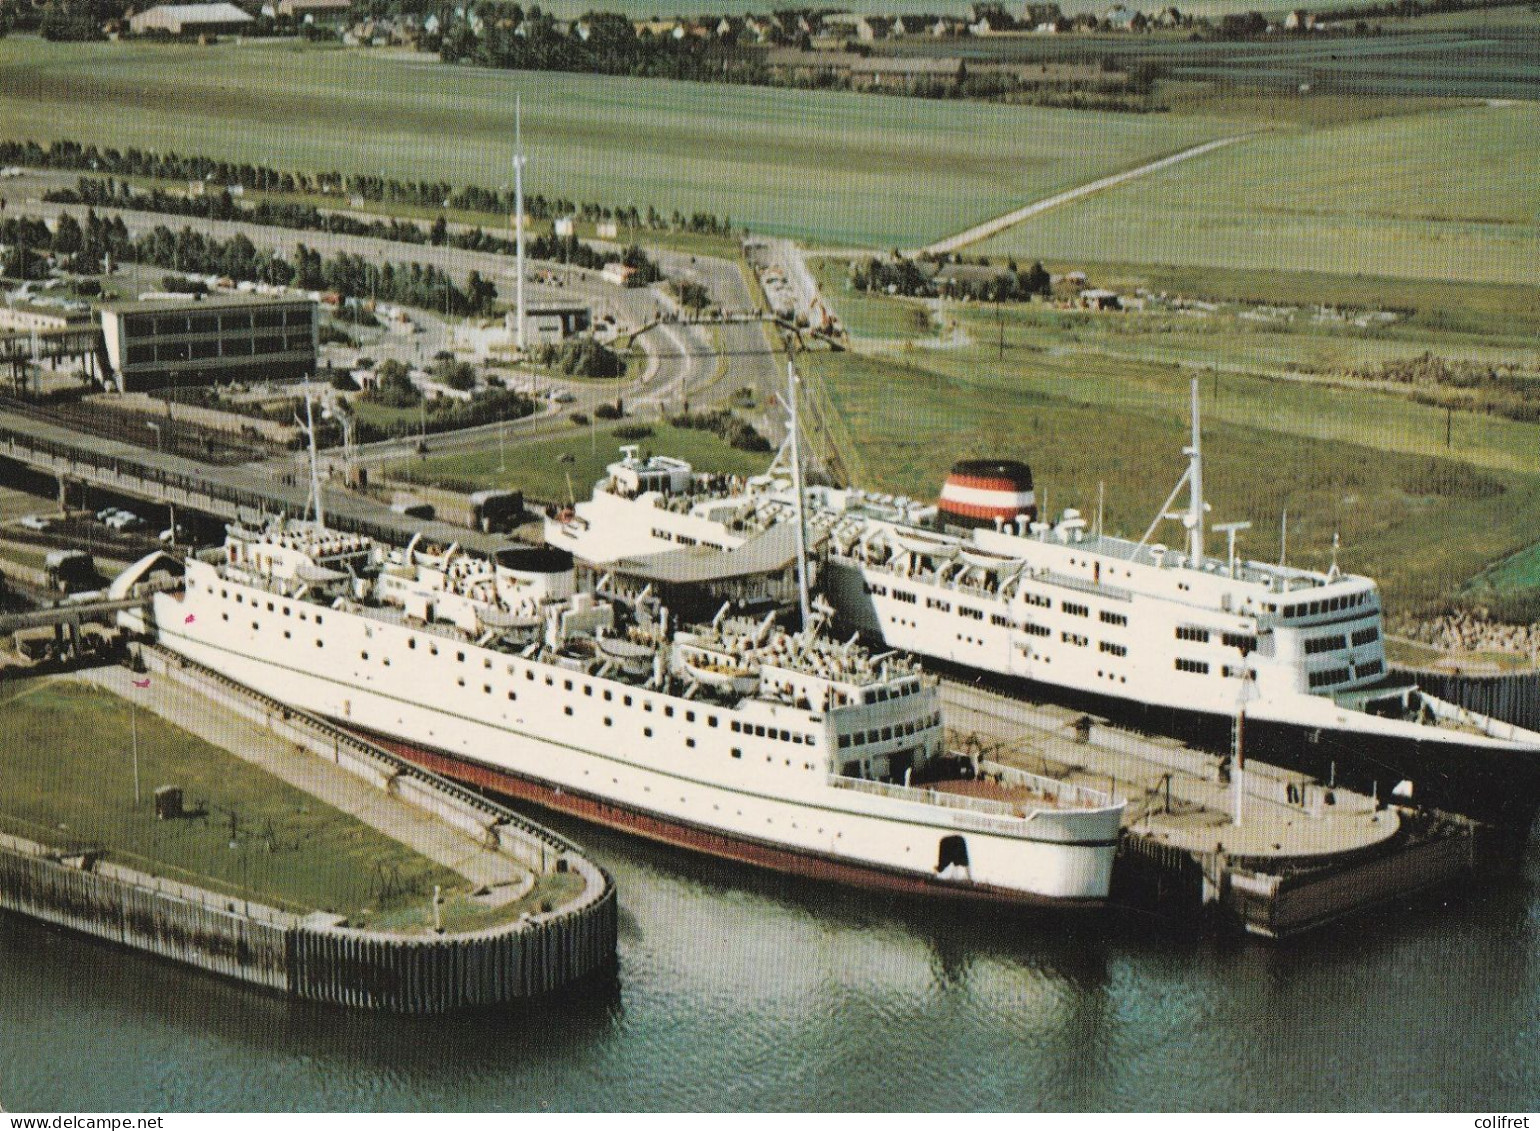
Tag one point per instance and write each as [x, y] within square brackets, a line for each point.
[790, 750]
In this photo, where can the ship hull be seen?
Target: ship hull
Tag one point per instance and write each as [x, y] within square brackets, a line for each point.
[741, 850]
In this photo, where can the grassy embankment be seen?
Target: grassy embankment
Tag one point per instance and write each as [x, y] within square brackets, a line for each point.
[68, 770]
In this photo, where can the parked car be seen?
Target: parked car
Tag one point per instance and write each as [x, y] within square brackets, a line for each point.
[36, 522]
[105, 513]
[124, 520]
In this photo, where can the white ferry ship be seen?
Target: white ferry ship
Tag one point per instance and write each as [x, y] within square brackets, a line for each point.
[792, 751]
[1172, 639]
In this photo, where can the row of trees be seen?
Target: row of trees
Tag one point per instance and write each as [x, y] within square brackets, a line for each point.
[917, 279]
[172, 166]
[87, 248]
[287, 214]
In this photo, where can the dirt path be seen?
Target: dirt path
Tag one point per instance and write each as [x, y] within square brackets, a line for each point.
[1010, 219]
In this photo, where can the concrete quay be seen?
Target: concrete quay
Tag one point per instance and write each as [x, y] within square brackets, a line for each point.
[1303, 853]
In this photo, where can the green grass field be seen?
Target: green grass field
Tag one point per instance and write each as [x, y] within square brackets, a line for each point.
[908, 170]
[1448, 195]
[537, 467]
[68, 772]
[1090, 398]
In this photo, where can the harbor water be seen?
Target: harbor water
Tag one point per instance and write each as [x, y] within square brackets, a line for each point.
[740, 990]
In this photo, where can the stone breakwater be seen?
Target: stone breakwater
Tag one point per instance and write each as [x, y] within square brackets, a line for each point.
[1473, 632]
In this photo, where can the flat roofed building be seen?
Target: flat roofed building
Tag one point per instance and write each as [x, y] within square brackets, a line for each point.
[190, 19]
[549, 323]
[314, 11]
[153, 344]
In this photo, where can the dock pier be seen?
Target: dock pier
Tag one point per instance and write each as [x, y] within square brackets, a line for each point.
[1273, 853]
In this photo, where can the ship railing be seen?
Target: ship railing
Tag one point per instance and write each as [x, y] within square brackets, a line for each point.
[1045, 793]
[1067, 794]
[1081, 585]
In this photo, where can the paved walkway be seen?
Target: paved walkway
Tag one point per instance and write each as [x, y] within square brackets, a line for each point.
[184, 707]
[1042, 738]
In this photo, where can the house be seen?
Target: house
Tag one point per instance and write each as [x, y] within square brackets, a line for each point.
[190, 19]
[1299, 20]
[1098, 299]
[565, 226]
[619, 274]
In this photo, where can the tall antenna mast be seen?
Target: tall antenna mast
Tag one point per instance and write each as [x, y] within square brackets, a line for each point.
[315, 461]
[796, 484]
[1195, 487]
[518, 234]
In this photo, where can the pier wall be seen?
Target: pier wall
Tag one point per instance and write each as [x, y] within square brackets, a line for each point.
[1512, 697]
[1281, 898]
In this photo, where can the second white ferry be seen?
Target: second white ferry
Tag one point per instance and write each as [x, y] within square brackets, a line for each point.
[1170, 638]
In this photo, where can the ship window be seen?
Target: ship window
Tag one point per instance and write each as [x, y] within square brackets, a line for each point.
[668, 712]
[255, 626]
[647, 705]
[566, 710]
[690, 742]
[513, 695]
[567, 685]
[1113, 618]
[647, 732]
[588, 689]
[608, 721]
[711, 720]
[486, 689]
[487, 664]
[607, 695]
[529, 674]
[286, 610]
[844, 741]
[318, 618]
[1196, 667]
[1244, 641]
[1187, 632]
[1365, 636]
[320, 644]
[460, 681]
[887, 733]
[225, 615]
[627, 700]
[363, 655]
[269, 606]
[287, 635]
[1113, 649]
[689, 716]
[759, 731]
[549, 682]
[737, 727]
[1373, 667]
[433, 649]
[239, 600]
[1074, 609]
[737, 753]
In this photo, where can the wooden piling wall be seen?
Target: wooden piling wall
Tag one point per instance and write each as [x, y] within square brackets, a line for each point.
[317, 957]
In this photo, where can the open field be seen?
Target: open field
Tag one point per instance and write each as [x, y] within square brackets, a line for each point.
[1448, 195]
[536, 467]
[68, 772]
[909, 170]
[1087, 398]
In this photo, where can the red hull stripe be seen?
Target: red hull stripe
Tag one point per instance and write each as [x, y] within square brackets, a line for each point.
[776, 858]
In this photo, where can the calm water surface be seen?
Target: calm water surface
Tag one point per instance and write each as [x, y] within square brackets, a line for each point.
[742, 991]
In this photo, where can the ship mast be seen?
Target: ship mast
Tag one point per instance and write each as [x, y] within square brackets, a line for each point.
[1195, 487]
[796, 483]
[518, 222]
[308, 427]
